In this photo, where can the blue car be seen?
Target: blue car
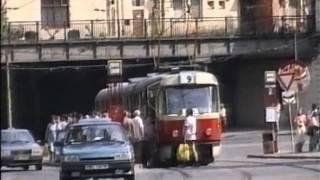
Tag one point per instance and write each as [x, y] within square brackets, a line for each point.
[96, 148]
[19, 149]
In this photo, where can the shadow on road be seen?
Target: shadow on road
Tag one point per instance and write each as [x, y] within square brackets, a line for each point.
[15, 170]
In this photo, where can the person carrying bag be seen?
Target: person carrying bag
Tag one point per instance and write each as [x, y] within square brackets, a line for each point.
[188, 149]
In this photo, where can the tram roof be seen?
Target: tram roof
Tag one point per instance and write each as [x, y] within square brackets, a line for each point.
[139, 84]
[104, 93]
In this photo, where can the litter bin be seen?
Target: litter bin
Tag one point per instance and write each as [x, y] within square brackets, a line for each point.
[269, 143]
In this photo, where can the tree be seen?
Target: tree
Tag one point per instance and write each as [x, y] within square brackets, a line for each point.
[4, 20]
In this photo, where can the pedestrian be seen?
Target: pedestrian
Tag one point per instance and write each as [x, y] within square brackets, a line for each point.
[59, 124]
[127, 123]
[148, 142]
[51, 136]
[223, 116]
[138, 134]
[63, 123]
[300, 122]
[313, 128]
[70, 119]
[190, 131]
[106, 116]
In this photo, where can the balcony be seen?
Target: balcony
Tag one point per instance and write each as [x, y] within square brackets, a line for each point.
[152, 29]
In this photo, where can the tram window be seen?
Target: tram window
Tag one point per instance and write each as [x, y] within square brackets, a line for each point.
[203, 98]
[162, 102]
[215, 99]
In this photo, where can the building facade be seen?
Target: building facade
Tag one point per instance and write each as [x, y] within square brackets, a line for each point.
[81, 19]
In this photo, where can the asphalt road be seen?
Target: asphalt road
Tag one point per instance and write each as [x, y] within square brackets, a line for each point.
[232, 164]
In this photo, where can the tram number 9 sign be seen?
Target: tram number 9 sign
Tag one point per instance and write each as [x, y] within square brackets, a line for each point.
[186, 78]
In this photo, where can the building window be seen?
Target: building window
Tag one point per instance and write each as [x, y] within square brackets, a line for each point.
[138, 2]
[222, 4]
[179, 8]
[196, 8]
[55, 13]
[211, 4]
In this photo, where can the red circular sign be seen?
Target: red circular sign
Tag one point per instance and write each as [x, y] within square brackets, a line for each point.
[294, 76]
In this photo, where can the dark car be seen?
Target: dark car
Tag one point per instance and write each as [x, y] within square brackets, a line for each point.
[18, 149]
[96, 149]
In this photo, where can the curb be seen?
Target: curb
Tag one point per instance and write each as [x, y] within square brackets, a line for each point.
[283, 156]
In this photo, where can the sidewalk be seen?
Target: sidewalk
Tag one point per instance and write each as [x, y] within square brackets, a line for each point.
[287, 155]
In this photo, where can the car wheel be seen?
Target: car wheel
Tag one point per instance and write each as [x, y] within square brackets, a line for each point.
[39, 167]
[26, 168]
[131, 177]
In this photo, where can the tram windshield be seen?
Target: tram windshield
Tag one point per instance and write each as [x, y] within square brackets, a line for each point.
[204, 98]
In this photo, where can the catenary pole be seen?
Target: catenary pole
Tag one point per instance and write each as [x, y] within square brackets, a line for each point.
[9, 91]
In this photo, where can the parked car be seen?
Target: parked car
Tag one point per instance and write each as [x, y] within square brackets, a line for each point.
[19, 149]
[96, 149]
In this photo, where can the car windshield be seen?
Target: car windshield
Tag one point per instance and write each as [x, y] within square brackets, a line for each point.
[203, 98]
[16, 136]
[95, 133]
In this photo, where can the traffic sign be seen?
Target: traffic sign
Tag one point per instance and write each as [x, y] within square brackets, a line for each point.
[114, 67]
[288, 97]
[285, 81]
[294, 76]
[270, 77]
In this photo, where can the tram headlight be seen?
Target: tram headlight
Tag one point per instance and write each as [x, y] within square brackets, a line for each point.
[208, 132]
[175, 133]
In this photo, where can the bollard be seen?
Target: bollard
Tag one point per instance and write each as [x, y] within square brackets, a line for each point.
[269, 143]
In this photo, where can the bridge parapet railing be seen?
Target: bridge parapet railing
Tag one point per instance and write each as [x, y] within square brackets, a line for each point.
[157, 28]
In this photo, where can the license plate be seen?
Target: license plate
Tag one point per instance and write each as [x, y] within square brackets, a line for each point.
[95, 167]
[21, 157]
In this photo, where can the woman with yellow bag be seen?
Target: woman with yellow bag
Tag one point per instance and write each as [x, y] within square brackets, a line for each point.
[190, 128]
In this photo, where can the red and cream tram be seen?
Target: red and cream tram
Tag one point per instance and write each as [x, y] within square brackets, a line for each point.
[163, 99]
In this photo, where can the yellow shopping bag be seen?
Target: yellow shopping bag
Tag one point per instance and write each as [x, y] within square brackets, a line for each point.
[183, 153]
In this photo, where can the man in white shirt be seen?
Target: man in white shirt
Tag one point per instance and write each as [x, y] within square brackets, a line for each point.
[51, 136]
[138, 134]
[223, 116]
[190, 130]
